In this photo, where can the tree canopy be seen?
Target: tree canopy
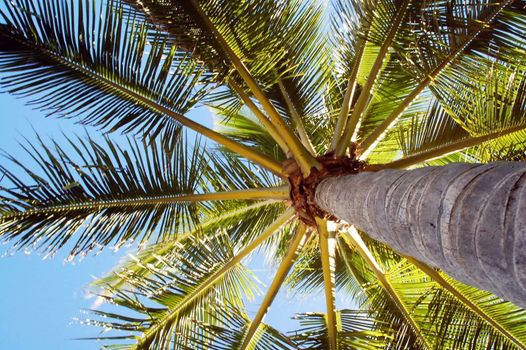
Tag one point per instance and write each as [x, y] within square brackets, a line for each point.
[300, 90]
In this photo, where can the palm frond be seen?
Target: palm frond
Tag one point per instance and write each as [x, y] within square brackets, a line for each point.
[450, 323]
[306, 276]
[470, 30]
[389, 15]
[436, 128]
[306, 71]
[386, 295]
[234, 42]
[243, 127]
[477, 302]
[227, 332]
[100, 191]
[498, 99]
[114, 80]
[293, 250]
[441, 27]
[275, 39]
[448, 314]
[259, 232]
[177, 293]
[109, 73]
[328, 263]
[357, 330]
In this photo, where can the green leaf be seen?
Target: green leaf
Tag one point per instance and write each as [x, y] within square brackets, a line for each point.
[358, 329]
[111, 73]
[100, 193]
[177, 293]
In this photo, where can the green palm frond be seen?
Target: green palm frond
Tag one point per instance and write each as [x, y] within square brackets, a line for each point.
[446, 322]
[101, 191]
[497, 98]
[430, 130]
[392, 86]
[470, 31]
[281, 58]
[358, 329]
[230, 172]
[386, 23]
[301, 236]
[353, 276]
[349, 23]
[187, 29]
[273, 38]
[227, 332]
[244, 127]
[112, 194]
[512, 151]
[306, 71]
[177, 293]
[229, 220]
[443, 28]
[446, 313]
[109, 73]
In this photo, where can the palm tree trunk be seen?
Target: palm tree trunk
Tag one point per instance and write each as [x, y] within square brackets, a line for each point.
[467, 219]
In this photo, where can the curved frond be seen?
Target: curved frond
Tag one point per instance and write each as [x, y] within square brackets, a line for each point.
[109, 73]
[470, 29]
[294, 249]
[177, 291]
[447, 313]
[105, 193]
[498, 101]
[243, 127]
[260, 231]
[227, 332]
[357, 329]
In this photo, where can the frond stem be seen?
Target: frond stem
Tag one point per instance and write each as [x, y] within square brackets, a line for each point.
[302, 155]
[353, 239]
[300, 238]
[149, 255]
[277, 193]
[346, 104]
[300, 128]
[366, 93]
[232, 145]
[444, 283]
[328, 262]
[444, 150]
[261, 117]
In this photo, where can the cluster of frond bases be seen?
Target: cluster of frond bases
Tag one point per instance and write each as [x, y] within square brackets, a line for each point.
[305, 90]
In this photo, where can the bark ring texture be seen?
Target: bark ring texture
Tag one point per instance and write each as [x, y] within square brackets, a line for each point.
[469, 220]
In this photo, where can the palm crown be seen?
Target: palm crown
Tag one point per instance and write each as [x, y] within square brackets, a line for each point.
[302, 90]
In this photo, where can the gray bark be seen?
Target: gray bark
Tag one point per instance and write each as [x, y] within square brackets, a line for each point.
[469, 220]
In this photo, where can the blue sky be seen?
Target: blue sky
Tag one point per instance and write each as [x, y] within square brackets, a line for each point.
[40, 299]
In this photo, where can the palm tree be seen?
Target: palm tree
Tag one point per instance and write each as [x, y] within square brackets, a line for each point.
[321, 106]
